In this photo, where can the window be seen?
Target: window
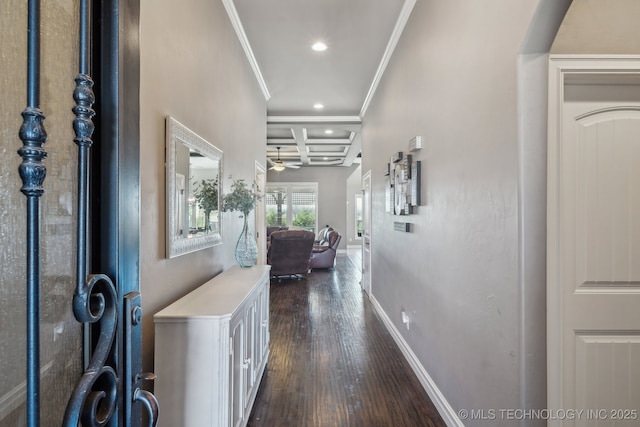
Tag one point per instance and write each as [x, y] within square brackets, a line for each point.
[293, 205]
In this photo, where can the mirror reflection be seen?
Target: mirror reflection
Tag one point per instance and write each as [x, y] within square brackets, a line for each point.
[198, 203]
[194, 168]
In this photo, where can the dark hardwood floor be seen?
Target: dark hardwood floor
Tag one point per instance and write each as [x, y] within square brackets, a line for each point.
[332, 361]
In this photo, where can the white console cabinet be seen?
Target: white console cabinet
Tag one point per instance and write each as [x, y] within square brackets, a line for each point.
[211, 349]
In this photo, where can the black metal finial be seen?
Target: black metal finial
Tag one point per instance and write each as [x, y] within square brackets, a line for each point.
[33, 136]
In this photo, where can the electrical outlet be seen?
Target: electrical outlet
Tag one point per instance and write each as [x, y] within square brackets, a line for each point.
[405, 318]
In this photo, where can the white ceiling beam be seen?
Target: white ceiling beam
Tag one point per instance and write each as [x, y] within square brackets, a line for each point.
[327, 141]
[342, 123]
[354, 149]
[349, 127]
[281, 141]
[283, 156]
[300, 135]
[325, 162]
[287, 150]
[327, 153]
[313, 119]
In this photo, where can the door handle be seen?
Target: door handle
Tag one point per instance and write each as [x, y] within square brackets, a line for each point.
[134, 393]
[148, 401]
[148, 376]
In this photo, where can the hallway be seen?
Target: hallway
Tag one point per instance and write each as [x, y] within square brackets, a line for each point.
[332, 361]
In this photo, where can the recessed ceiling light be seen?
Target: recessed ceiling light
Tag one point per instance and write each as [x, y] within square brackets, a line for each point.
[318, 106]
[319, 46]
[328, 131]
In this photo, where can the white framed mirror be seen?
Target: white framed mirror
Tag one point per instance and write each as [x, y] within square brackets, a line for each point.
[193, 180]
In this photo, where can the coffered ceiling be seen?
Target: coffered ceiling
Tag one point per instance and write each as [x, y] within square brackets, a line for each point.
[278, 35]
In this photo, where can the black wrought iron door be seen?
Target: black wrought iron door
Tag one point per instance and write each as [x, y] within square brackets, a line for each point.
[106, 300]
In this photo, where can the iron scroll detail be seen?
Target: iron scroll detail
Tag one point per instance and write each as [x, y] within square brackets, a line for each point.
[94, 399]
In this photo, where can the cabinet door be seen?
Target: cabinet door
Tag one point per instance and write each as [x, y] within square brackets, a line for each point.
[262, 337]
[238, 371]
[250, 350]
[265, 320]
[257, 338]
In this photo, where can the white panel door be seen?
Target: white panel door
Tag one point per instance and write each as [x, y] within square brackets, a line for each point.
[366, 232]
[594, 253]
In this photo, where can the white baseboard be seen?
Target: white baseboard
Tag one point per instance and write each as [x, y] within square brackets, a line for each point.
[18, 395]
[446, 411]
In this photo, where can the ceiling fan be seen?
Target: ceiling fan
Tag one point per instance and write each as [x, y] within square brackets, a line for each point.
[280, 165]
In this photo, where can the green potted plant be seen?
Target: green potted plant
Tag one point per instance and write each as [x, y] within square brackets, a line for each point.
[243, 198]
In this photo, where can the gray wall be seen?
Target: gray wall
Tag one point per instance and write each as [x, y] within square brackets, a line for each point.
[462, 77]
[194, 69]
[332, 192]
[599, 27]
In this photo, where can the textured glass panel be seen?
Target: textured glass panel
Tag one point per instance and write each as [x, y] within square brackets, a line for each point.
[61, 338]
[12, 219]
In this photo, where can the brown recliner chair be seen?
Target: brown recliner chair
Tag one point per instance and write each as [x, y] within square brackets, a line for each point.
[271, 229]
[324, 254]
[289, 252]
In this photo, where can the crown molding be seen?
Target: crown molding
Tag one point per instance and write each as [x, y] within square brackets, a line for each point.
[244, 41]
[391, 45]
